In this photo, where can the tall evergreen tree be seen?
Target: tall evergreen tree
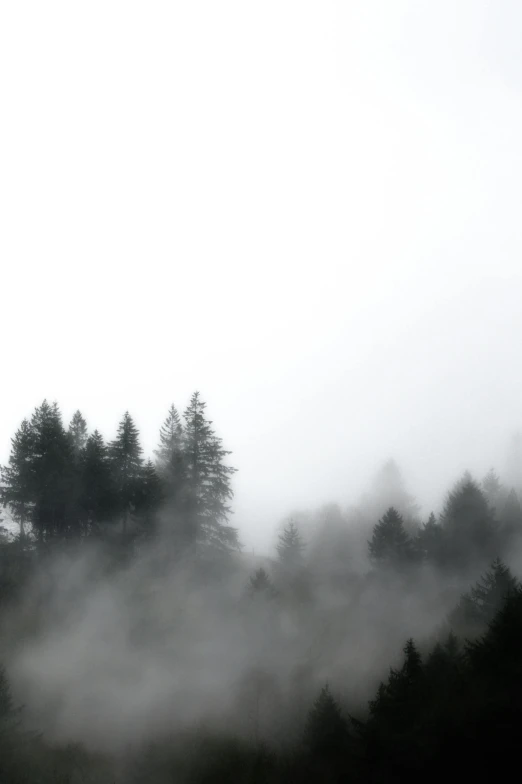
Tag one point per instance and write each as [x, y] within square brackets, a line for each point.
[54, 485]
[290, 546]
[326, 732]
[389, 489]
[78, 434]
[478, 607]
[18, 479]
[126, 462]
[97, 497]
[149, 499]
[207, 490]
[493, 489]
[511, 519]
[260, 585]
[170, 463]
[430, 540]
[390, 544]
[470, 532]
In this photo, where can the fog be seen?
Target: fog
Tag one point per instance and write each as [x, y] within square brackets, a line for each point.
[113, 661]
[309, 211]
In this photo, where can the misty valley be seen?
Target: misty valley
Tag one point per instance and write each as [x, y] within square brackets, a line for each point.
[141, 643]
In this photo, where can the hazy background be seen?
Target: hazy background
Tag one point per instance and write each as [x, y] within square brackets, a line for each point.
[308, 210]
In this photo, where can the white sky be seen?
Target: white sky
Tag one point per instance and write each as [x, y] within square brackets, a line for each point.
[310, 211]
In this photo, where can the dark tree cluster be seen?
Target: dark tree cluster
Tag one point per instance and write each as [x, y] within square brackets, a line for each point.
[68, 484]
[468, 532]
[451, 707]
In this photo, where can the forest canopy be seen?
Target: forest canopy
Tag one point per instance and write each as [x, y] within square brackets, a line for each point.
[145, 644]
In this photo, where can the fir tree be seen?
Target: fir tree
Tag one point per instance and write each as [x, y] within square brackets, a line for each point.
[53, 473]
[290, 546]
[18, 478]
[390, 544]
[126, 463]
[98, 492]
[78, 434]
[149, 499]
[430, 540]
[326, 732]
[207, 491]
[470, 533]
[388, 490]
[492, 489]
[170, 469]
[478, 607]
[260, 584]
[511, 519]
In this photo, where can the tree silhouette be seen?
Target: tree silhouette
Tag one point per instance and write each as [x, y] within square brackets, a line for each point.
[390, 544]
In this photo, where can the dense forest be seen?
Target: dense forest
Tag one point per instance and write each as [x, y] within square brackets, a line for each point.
[141, 643]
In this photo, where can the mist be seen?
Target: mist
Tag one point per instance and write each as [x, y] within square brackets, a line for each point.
[308, 211]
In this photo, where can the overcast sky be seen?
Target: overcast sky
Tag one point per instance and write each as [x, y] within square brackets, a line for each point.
[309, 211]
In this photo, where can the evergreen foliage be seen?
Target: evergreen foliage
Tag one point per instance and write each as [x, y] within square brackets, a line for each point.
[97, 497]
[477, 607]
[290, 546]
[207, 490]
[78, 434]
[326, 731]
[260, 584]
[126, 465]
[18, 478]
[390, 544]
[470, 531]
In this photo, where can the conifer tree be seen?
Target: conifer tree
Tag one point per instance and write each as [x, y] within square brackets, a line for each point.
[478, 607]
[493, 489]
[207, 491]
[511, 519]
[389, 489]
[470, 532]
[53, 474]
[126, 463]
[78, 434]
[290, 546]
[170, 464]
[18, 480]
[390, 544]
[430, 540]
[260, 584]
[97, 497]
[326, 731]
[150, 498]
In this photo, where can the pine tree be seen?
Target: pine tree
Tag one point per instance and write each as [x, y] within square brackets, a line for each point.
[394, 709]
[470, 532]
[78, 434]
[53, 474]
[326, 732]
[126, 463]
[511, 519]
[388, 490]
[207, 491]
[149, 499]
[430, 540]
[492, 489]
[170, 469]
[18, 479]
[97, 497]
[478, 607]
[290, 546]
[390, 544]
[260, 584]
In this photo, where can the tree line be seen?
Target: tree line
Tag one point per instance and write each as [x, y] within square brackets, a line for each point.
[452, 705]
[66, 483]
